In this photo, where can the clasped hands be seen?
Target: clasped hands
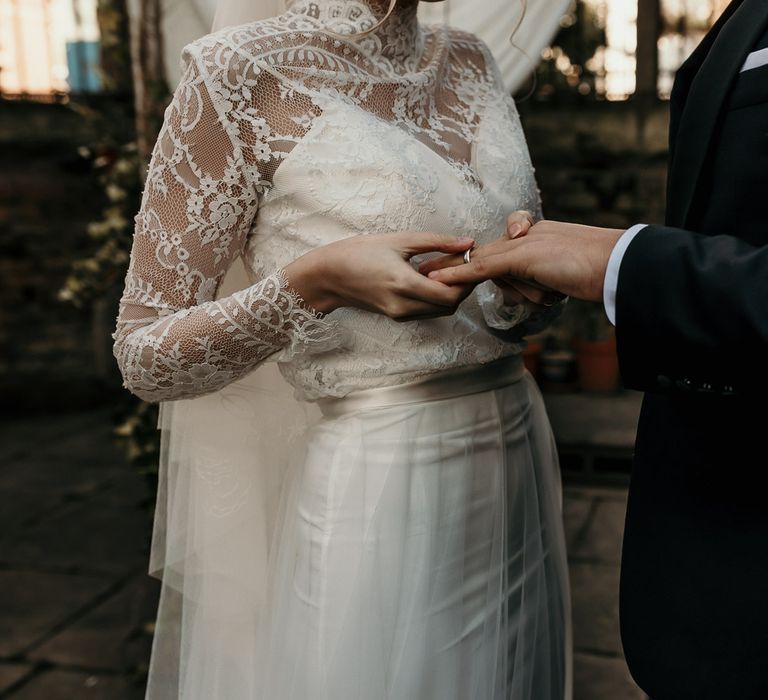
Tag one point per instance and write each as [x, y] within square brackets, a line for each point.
[491, 261]
[533, 264]
[537, 263]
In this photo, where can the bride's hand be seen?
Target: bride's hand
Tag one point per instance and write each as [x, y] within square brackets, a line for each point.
[515, 291]
[373, 272]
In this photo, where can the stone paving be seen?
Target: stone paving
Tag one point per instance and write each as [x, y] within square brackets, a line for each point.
[76, 601]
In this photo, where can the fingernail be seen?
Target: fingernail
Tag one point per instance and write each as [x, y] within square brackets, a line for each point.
[465, 239]
[433, 275]
[515, 230]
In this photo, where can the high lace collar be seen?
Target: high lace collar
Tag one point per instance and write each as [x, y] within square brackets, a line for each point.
[399, 39]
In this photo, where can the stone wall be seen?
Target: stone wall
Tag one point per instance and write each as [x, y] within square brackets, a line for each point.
[599, 163]
[48, 357]
[603, 164]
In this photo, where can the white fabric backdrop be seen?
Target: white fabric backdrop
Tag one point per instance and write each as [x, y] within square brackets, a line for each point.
[183, 21]
[492, 20]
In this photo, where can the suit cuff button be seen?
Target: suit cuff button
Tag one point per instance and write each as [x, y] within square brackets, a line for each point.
[684, 384]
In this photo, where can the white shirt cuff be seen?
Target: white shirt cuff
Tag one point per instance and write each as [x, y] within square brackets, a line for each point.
[612, 272]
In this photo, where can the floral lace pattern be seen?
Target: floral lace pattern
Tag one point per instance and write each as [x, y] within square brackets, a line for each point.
[285, 135]
[166, 360]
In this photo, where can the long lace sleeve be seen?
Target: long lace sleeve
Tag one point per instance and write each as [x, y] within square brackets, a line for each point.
[174, 339]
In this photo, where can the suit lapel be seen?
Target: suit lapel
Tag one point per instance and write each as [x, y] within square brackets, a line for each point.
[687, 73]
[706, 95]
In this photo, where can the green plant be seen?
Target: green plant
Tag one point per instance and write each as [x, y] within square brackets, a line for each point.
[101, 269]
[136, 430]
[570, 67]
[115, 44]
[118, 164]
[98, 274]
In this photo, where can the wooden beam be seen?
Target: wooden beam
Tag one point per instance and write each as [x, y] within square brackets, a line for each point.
[648, 31]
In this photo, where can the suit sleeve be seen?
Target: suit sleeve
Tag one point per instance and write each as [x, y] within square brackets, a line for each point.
[692, 313]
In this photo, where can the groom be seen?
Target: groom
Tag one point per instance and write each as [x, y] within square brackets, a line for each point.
[690, 305]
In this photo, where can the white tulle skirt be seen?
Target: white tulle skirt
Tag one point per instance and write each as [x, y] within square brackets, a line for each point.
[419, 555]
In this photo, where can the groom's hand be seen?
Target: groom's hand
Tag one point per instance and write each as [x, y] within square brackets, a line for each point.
[569, 258]
[514, 290]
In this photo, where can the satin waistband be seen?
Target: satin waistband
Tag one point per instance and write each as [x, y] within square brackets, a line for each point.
[449, 384]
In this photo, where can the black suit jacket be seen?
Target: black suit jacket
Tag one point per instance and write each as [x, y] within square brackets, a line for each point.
[692, 328]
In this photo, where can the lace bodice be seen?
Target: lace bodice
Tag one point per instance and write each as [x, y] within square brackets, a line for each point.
[284, 136]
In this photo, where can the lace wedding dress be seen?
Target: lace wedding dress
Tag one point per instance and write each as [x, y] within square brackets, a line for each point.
[416, 552]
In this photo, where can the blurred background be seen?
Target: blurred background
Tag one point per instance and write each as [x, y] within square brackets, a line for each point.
[83, 84]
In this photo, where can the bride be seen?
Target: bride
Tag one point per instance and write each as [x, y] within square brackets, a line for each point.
[390, 529]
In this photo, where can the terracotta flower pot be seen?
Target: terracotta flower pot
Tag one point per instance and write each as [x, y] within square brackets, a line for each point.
[597, 365]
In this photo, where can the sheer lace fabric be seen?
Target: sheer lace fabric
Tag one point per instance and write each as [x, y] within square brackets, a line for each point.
[284, 136]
